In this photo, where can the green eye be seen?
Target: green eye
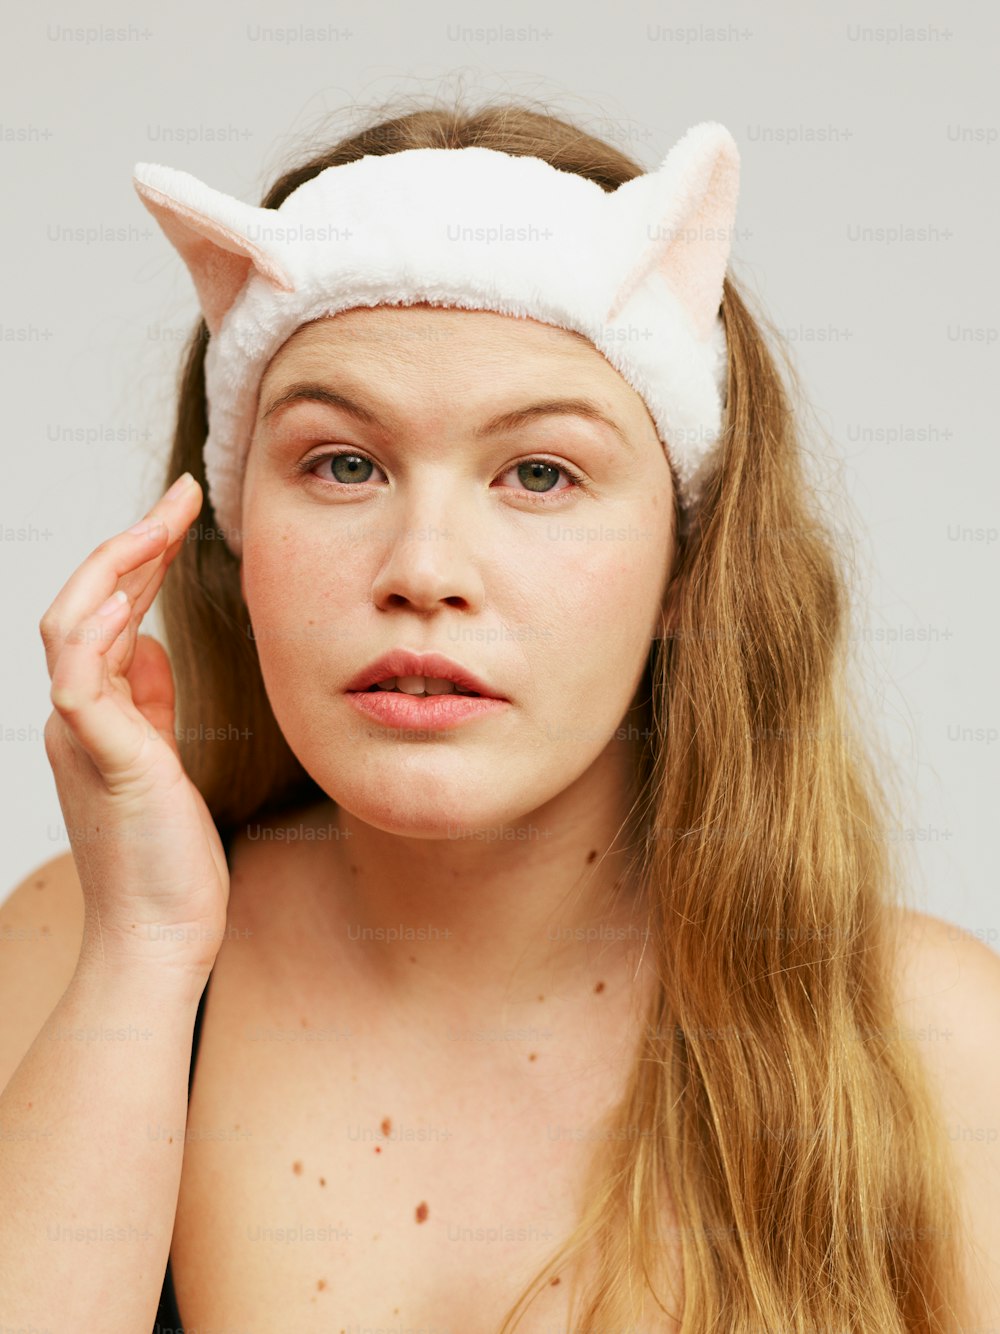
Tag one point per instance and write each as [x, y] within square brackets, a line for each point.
[536, 471]
[351, 465]
[537, 476]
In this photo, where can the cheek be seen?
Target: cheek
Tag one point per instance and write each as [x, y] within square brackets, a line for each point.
[608, 581]
[287, 582]
[274, 568]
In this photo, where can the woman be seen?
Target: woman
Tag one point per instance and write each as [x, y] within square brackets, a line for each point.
[588, 999]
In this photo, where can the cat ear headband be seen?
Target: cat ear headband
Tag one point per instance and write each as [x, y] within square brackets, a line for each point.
[637, 270]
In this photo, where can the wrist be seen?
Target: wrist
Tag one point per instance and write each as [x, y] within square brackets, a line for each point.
[131, 976]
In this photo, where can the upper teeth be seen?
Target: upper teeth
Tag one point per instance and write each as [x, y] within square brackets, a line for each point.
[418, 685]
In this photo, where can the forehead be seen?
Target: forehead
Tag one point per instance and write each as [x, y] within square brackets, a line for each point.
[422, 335]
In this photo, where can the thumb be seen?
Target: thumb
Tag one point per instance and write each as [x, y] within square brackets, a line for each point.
[151, 681]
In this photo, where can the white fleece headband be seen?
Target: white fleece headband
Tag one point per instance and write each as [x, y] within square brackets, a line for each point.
[637, 270]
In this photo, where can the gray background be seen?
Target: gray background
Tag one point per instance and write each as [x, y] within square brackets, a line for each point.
[847, 119]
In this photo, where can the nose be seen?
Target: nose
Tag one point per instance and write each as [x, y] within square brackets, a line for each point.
[427, 557]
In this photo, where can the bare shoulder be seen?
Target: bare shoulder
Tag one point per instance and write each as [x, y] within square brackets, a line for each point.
[948, 997]
[947, 971]
[41, 930]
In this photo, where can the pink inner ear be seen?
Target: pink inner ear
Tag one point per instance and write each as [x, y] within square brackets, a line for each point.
[219, 276]
[219, 258]
[695, 268]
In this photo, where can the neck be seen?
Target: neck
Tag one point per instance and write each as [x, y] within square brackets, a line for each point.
[489, 922]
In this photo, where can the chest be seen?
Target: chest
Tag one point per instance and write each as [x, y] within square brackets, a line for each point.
[344, 1170]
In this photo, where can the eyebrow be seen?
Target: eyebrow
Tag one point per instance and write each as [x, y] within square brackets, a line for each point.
[307, 391]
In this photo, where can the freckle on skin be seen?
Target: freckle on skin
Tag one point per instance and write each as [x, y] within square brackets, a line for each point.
[322, 1181]
[533, 1056]
[554, 1281]
[591, 856]
[386, 1125]
[320, 1284]
[599, 987]
[297, 1168]
[378, 1148]
[421, 1211]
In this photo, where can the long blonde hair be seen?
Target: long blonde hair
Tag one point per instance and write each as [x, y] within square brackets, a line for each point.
[772, 1103]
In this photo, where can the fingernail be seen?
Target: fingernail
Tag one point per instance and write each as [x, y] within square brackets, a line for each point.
[182, 483]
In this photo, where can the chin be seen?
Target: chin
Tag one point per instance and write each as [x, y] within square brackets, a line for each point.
[427, 792]
[438, 813]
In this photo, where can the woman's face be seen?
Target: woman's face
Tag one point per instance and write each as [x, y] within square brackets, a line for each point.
[441, 536]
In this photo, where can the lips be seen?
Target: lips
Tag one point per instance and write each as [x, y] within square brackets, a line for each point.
[403, 662]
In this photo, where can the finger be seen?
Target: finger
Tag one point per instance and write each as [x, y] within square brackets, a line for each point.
[127, 582]
[80, 695]
[119, 558]
[144, 598]
[151, 681]
[120, 655]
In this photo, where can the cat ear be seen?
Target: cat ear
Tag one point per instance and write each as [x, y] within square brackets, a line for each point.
[211, 232]
[679, 219]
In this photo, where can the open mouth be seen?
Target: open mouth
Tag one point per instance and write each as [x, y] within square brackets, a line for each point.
[418, 687]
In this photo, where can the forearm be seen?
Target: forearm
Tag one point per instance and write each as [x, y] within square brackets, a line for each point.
[91, 1148]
